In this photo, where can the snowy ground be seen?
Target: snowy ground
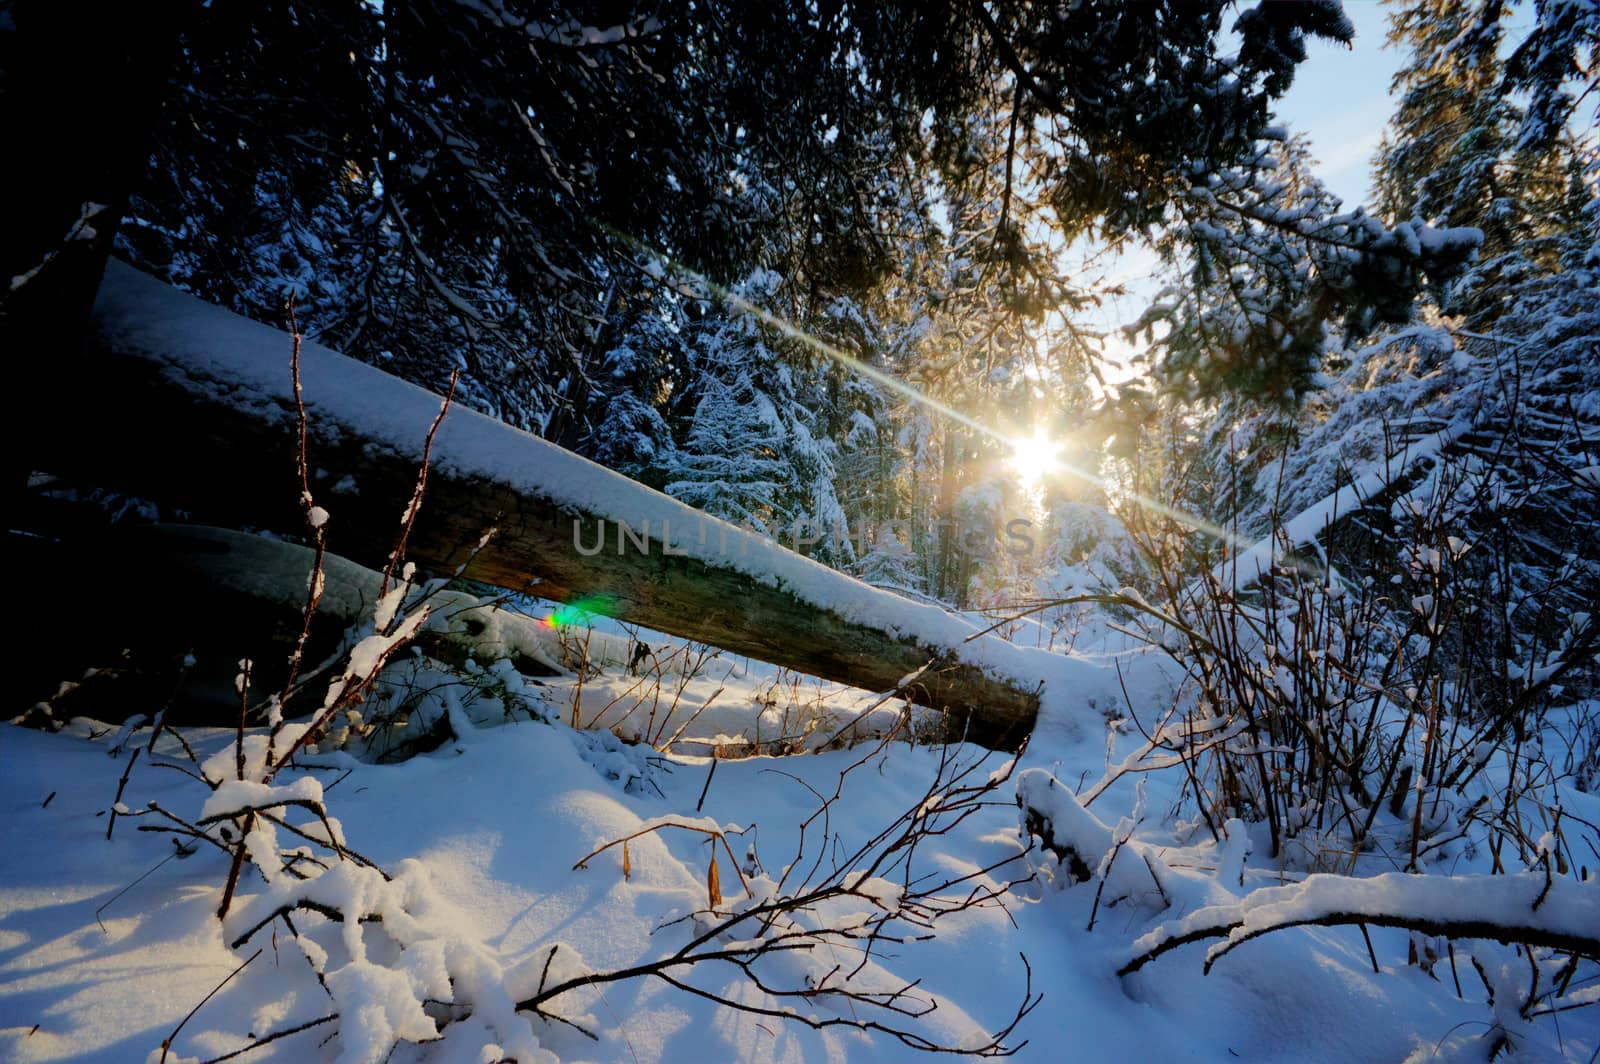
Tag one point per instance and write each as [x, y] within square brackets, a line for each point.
[105, 946]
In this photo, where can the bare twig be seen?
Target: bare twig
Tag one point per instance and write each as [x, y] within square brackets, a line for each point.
[166, 1043]
[415, 505]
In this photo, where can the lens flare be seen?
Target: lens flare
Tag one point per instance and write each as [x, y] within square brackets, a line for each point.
[583, 611]
[1035, 457]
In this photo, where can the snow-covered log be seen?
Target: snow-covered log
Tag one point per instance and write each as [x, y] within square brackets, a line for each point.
[1556, 912]
[190, 405]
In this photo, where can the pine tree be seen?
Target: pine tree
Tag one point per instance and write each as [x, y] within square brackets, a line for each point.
[889, 562]
[1270, 266]
[756, 448]
[1463, 150]
[449, 186]
[1499, 372]
[1441, 159]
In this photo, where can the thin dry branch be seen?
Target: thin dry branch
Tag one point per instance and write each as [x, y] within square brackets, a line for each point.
[415, 505]
[716, 836]
[909, 911]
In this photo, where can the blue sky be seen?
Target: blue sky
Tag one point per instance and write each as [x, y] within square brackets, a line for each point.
[1340, 100]
[1340, 96]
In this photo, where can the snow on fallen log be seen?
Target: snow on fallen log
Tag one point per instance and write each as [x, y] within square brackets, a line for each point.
[186, 403]
[1257, 560]
[1529, 907]
[1051, 813]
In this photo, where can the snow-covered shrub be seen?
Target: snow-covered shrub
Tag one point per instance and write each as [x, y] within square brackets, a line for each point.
[1075, 846]
[1393, 671]
[1400, 597]
[397, 965]
[1525, 936]
[418, 703]
[1354, 726]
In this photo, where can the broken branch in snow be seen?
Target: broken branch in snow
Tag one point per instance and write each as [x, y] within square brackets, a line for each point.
[1500, 908]
[310, 905]
[166, 1043]
[267, 1039]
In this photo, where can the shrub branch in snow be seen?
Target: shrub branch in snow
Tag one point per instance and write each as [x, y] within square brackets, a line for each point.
[810, 937]
[807, 941]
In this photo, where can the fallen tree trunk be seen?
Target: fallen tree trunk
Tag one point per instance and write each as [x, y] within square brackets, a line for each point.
[191, 406]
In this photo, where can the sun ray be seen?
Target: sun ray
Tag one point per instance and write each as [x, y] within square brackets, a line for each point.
[1237, 543]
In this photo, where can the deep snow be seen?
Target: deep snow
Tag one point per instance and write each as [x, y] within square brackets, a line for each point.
[496, 819]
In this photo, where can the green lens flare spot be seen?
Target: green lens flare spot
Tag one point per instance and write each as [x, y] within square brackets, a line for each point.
[581, 612]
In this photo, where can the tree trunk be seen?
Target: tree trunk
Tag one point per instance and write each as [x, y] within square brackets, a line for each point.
[191, 406]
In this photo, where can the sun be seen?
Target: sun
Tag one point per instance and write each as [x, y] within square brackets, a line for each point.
[1035, 457]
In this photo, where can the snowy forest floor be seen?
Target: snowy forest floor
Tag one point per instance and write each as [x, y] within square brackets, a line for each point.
[105, 946]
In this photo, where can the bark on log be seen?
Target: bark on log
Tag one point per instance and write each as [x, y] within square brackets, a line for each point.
[191, 406]
[252, 590]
